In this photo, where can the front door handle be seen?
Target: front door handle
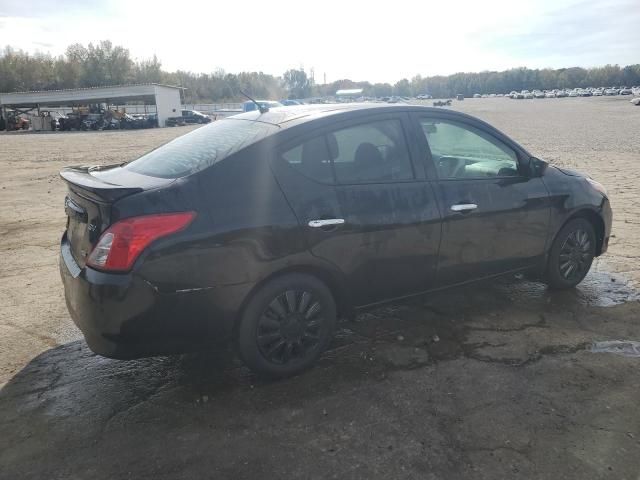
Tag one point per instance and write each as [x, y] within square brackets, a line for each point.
[326, 222]
[463, 207]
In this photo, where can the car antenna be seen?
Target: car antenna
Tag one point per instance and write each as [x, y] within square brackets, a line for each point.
[262, 108]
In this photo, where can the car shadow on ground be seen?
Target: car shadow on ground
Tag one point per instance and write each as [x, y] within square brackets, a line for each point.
[481, 382]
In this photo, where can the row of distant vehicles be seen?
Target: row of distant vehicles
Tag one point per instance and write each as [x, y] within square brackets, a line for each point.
[560, 93]
[194, 116]
[81, 119]
[105, 120]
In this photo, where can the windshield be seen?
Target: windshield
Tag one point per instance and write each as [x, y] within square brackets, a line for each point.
[201, 148]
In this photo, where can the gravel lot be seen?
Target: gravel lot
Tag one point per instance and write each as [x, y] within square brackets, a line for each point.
[491, 381]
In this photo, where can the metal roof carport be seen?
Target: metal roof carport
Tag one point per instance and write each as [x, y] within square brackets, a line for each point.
[349, 92]
[166, 98]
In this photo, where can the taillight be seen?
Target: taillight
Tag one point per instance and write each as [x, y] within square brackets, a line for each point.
[123, 242]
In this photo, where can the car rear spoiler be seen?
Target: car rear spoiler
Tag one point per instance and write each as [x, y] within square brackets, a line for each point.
[84, 183]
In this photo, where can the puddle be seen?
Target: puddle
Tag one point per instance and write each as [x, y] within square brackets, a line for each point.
[626, 348]
[598, 289]
[602, 289]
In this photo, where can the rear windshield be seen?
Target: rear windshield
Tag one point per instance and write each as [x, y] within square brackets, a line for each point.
[201, 148]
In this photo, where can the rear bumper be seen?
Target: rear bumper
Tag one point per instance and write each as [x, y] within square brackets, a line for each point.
[125, 316]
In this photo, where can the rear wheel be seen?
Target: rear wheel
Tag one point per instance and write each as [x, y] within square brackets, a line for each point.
[286, 325]
[571, 254]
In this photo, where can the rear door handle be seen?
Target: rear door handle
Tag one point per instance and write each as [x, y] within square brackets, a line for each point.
[326, 222]
[463, 207]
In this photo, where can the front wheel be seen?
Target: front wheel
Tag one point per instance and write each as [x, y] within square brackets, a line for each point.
[286, 325]
[571, 254]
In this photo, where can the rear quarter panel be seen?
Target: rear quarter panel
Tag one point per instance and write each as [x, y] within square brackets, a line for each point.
[244, 232]
[243, 225]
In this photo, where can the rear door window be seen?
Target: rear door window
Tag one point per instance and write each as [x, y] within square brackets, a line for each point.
[371, 152]
[374, 152]
[311, 158]
[201, 148]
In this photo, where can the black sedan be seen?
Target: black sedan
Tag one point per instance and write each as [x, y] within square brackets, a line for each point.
[194, 116]
[264, 228]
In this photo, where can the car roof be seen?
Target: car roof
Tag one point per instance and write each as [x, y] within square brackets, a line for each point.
[284, 117]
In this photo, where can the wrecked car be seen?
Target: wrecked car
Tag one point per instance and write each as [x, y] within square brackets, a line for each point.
[263, 228]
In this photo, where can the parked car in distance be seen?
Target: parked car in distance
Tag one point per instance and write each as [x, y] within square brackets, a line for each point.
[574, 93]
[626, 91]
[263, 229]
[611, 91]
[290, 103]
[194, 116]
[175, 122]
[538, 94]
[145, 120]
[249, 106]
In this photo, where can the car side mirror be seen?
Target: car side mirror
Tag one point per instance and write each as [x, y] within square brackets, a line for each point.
[537, 167]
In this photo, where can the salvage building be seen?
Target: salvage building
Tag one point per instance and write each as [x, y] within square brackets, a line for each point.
[349, 94]
[165, 98]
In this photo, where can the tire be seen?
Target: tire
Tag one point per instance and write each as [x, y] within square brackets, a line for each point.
[571, 254]
[286, 325]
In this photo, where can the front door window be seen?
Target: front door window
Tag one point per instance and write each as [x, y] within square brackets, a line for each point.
[461, 151]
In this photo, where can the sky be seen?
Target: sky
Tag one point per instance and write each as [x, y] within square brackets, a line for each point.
[374, 41]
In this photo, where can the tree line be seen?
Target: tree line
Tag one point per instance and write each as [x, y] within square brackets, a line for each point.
[107, 64]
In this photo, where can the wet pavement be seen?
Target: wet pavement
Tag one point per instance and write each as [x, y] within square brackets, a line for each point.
[497, 380]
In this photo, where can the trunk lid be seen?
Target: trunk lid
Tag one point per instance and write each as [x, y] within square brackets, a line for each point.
[92, 191]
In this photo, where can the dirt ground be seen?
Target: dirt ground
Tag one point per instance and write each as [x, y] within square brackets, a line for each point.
[491, 381]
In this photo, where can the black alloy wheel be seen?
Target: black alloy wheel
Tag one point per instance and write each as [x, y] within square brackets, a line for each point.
[289, 327]
[286, 325]
[571, 254]
[575, 255]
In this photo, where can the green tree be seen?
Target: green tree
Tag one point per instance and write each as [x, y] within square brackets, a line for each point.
[402, 88]
[148, 71]
[380, 90]
[297, 83]
[106, 64]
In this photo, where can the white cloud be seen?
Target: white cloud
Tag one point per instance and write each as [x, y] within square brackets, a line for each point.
[377, 41]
